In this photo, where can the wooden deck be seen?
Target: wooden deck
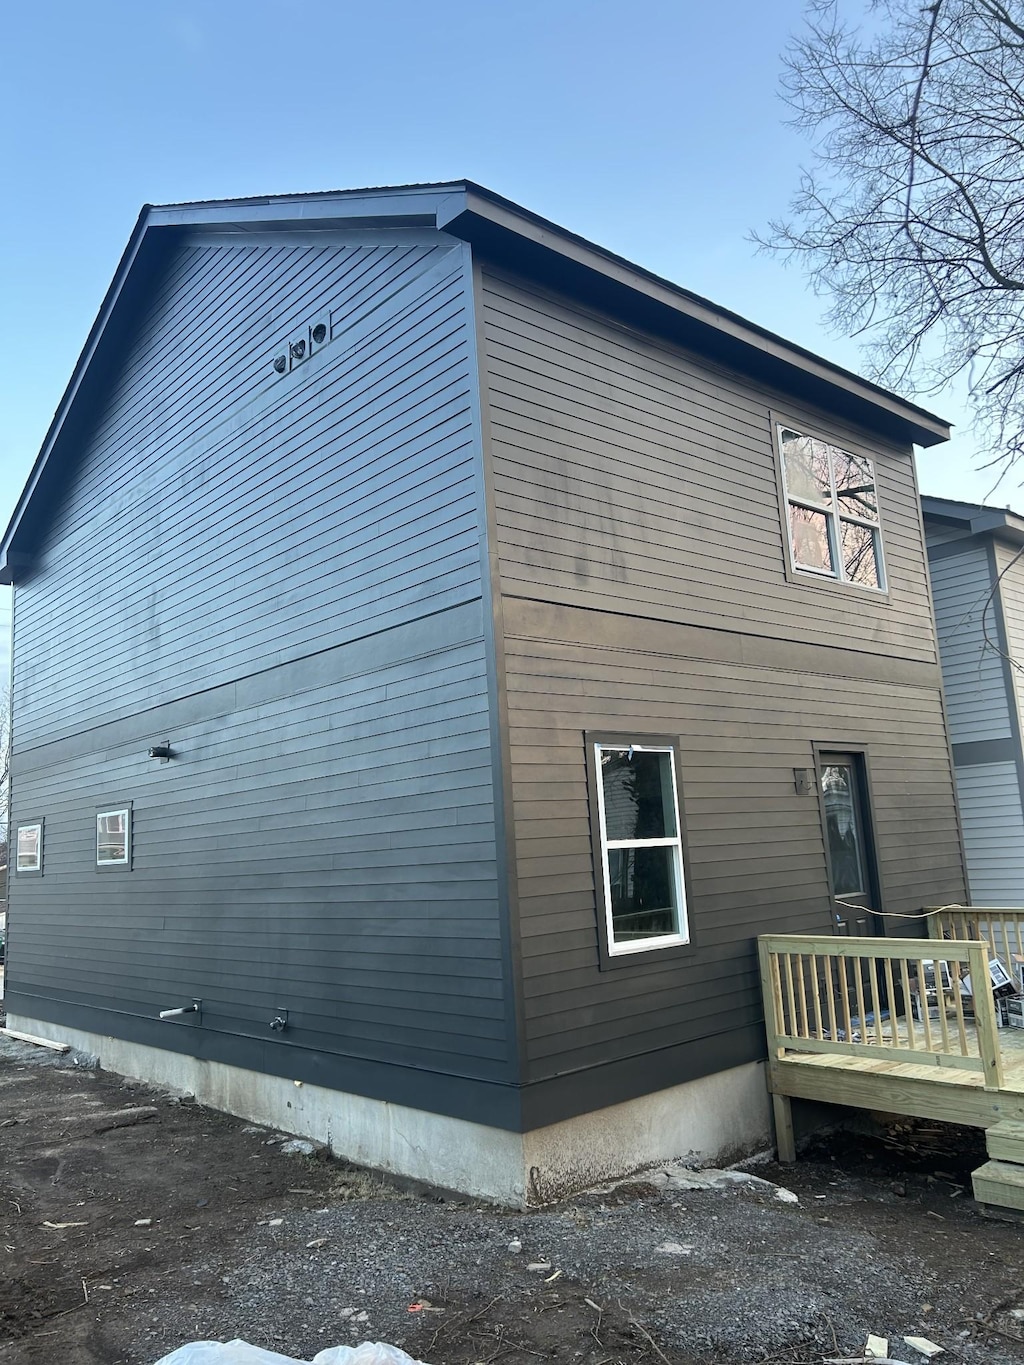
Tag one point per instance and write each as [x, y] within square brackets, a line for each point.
[893, 1024]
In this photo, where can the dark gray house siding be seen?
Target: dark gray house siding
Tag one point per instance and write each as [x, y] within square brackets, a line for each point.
[522, 492]
[282, 576]
[644, 591]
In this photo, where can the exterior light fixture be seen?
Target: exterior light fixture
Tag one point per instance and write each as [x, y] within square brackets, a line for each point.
[162, 751]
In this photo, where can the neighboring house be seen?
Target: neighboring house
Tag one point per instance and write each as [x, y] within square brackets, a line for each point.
[440, 647]
[977, 572]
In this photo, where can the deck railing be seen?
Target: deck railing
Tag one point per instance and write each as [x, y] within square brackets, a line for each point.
[884, 999]
[1002, 928]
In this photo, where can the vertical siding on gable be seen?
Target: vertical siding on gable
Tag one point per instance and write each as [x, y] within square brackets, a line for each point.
[972, 669]
[993, 823]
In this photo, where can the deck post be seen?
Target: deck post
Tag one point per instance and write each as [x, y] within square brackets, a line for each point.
[989, 1049]
[769, 999]
[785, 1142]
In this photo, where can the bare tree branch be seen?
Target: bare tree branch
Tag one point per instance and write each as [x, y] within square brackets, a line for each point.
[911, 218]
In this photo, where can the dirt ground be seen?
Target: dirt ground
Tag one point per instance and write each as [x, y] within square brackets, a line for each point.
[124, 1235]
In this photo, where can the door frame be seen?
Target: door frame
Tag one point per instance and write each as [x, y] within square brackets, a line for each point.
[859, 750]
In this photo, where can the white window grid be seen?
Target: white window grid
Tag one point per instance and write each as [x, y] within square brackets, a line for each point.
[681, 935]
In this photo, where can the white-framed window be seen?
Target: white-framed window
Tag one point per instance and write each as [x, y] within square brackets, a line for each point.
[641, 847]
[28, 848]
[114, 837]
[831, 511]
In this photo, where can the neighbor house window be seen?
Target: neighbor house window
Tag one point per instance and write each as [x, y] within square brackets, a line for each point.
[114, 837]
[28, 849]
[641, 847]
[832, 510]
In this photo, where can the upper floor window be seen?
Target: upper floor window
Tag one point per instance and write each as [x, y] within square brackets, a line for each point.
[832, 510]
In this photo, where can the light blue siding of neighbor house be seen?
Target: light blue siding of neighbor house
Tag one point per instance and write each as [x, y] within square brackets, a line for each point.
[978, 588]
[973, 671]
[993, 824]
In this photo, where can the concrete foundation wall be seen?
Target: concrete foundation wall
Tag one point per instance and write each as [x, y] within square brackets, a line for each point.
[720, 1117]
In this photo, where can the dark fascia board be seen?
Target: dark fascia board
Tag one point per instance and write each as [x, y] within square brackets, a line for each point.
[502, 226]
[974, 518]
[464, 209]
[9, 559]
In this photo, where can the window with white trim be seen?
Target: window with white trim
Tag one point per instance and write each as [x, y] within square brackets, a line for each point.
[28, 848]
[641, 847]
[114, 837]
[832, 511]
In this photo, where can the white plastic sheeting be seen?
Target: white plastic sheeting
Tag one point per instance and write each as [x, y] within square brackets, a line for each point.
[241, 1353]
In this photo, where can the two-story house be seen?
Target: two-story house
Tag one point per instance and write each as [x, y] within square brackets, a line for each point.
[440, 647]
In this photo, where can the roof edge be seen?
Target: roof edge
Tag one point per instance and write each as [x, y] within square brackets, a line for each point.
[462, 208]
[483, 206]
[107, 306]
[976, 518]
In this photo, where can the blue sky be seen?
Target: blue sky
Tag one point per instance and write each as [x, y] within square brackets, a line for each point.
[652, 127]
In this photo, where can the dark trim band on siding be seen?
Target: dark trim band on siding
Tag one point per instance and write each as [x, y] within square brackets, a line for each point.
[950, 550]
[557, 1098]
[398, 644]
[530, 618]
[980, 751]
[495, 1104]
[497, 689]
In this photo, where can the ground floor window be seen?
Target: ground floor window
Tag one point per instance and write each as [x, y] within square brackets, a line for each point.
[114, 837]
[28, 848]
[641, 845]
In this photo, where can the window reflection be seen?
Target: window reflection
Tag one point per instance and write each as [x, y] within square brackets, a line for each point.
[845, 853]
[809, 532]
[833, 510]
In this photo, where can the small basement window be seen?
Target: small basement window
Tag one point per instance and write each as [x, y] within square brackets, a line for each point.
[114, 837]
[641, 847]
[28, 849]
[832, 511]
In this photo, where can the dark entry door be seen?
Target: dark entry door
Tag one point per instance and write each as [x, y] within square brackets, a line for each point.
[848, 840]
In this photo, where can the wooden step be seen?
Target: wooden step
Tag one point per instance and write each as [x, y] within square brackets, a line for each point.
[1005, 1141]
[999, 1183]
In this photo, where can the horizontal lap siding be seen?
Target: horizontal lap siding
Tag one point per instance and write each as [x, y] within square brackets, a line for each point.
[284, 572]
[641, 554]
[330, 852]
[990, 807]
[757, 858]
[1010, 568]
[224, 519]
[631, 476]
[972, 668]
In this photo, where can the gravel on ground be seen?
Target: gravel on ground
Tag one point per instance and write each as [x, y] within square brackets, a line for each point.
[132, 1221]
